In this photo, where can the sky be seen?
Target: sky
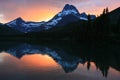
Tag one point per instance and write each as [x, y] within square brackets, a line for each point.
[43, 10]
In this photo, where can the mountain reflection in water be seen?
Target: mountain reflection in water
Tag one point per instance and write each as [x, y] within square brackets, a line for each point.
[39, 61]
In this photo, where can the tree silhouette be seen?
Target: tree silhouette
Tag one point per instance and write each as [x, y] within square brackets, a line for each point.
[107, 10]
[117, 27]
[102, 24]
[104, 12]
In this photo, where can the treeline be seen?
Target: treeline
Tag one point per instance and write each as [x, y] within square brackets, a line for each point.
[99, 28]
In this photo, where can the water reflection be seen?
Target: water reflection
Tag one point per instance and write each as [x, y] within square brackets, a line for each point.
[36, 61]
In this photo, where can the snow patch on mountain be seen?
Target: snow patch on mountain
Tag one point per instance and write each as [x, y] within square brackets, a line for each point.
[67, 12]
[24, 24]
[54, 21]
[32, 24]
[82, 18]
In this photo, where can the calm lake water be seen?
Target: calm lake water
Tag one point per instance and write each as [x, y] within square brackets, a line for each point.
[23, 61]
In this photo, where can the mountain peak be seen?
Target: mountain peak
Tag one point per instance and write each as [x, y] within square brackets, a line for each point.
[19, 19]
[68, 10]
[69, 7]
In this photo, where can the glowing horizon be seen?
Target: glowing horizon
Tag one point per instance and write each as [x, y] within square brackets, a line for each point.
[39, 10]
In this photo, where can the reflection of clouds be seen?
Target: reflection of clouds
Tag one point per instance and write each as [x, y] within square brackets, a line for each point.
[5, 56]
[1, 59]
[8, 57]
[13, 69]
[2, 55]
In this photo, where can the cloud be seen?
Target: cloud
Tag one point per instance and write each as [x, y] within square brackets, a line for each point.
[1, 17]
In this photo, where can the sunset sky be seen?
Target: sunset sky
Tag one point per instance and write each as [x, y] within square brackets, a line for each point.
[43, 10]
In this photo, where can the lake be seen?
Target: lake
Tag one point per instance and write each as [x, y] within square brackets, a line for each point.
[59, 61]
